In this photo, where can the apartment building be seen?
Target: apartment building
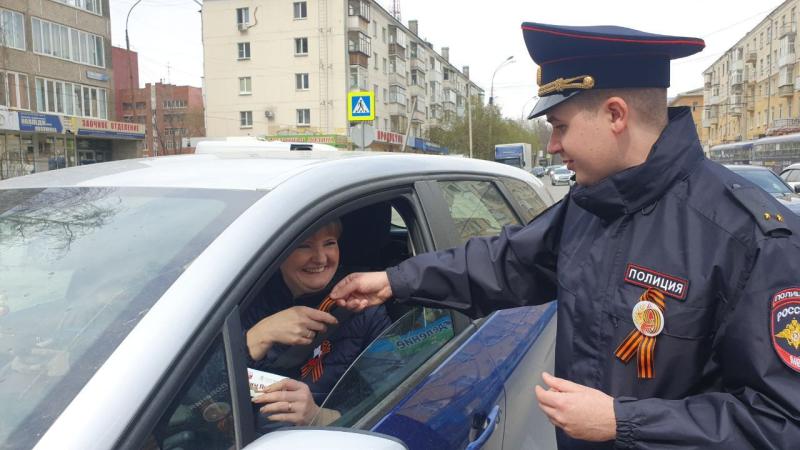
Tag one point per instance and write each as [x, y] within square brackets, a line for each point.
[56, 87]
[283, 69]
[753, 90]
[171, 115]
[694, 100]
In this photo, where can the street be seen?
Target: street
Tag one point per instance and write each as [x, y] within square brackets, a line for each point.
[557, 191]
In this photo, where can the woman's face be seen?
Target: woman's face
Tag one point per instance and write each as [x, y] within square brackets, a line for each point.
[311, 266]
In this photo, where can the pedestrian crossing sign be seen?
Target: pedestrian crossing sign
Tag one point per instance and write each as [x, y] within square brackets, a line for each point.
[360, 106]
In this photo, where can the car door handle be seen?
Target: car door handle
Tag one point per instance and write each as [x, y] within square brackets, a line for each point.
[491, 424]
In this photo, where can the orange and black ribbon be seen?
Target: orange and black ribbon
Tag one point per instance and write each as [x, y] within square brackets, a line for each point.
[326, 305]
[314, 366]
[637, 342]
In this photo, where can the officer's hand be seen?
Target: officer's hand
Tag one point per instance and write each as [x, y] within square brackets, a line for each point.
[288, 401]
[582, 412]
[361, 290]
[297, 325]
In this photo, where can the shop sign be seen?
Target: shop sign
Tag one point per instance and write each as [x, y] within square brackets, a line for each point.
[108, 129]
[40, 123]
[388, 136]
[427, 146]
[99, 76]
[9, 120]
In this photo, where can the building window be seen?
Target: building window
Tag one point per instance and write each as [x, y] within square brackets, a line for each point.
[93, 6]
[12, 29]
[246, 119]
[301, 81]
[175, 104]
[303, 117]
[245, 86]
[385, 71]
[14, 90]
[59, 41]
[71, 99]
[375, 60]
[244, 50]
[300, 10]
[383, 34]
[301, 46]
[242, 16]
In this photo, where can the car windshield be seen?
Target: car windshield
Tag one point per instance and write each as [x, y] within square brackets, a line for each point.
[78, 268]
[561, 171]
[766, 180]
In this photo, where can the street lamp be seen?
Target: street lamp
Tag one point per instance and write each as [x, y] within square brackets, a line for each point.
[525, 108]
[505, 62]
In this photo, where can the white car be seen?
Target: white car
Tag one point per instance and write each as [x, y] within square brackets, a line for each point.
[791, 175]
[561, 175]
[122, 287]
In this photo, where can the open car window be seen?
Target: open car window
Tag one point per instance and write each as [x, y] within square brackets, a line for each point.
[389, 361]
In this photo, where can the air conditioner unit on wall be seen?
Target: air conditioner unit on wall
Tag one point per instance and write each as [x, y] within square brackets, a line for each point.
[243, 26]
[269, 114]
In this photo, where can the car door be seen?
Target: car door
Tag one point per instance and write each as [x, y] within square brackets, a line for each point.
[521, 340]
[464, 401]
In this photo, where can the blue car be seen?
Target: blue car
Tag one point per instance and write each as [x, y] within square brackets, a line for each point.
[122, 286]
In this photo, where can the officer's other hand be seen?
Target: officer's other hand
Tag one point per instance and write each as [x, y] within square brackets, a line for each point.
[582, 412]
[361, 290]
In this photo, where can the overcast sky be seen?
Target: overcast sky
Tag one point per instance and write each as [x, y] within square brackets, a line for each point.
[481, 34]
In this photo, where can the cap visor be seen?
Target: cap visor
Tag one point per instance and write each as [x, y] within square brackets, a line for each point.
[545, 103]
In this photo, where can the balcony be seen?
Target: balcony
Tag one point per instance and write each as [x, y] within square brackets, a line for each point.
[419, 64]
[751, 57]
[357, 23]
[359, 47]
[417, 90]
[737, 77]
[709, 117]
[737, 65]
[788, 29]
[418, 116]
[396, 108]
[707, 80]
[786, 91]
[736, 104]
[397, 79]
[749, 75]
[786, 59]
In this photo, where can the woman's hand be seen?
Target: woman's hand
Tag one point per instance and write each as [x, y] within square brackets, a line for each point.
[297, 325]
[288, 401]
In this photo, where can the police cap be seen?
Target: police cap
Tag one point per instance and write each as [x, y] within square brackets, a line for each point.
[572, 60]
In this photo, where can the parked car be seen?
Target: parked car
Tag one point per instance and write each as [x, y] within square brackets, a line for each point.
[561, 175]
[549, 169]
[122, 286]
[791, 175]
[538, 171]
[770, 182]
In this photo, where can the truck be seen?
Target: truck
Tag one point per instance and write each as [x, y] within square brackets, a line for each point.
[517, 155]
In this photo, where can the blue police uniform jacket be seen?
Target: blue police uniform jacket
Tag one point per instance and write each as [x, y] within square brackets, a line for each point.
[351, 337]
[678, 223]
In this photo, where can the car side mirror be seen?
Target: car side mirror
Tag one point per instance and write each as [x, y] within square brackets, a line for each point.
[327, 438]
[797, 188]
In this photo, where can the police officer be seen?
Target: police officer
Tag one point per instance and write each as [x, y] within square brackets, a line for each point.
[678, 282]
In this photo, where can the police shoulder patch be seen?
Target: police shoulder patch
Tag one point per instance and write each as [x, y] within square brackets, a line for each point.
[785, 326]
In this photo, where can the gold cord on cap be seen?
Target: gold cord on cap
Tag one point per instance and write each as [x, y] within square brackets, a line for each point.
[562, 84]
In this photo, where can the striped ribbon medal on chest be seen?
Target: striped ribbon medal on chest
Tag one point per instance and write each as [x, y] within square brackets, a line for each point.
[648, 318]
[314, 366]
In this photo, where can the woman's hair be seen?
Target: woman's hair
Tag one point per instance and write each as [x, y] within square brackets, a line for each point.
[334, 226]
